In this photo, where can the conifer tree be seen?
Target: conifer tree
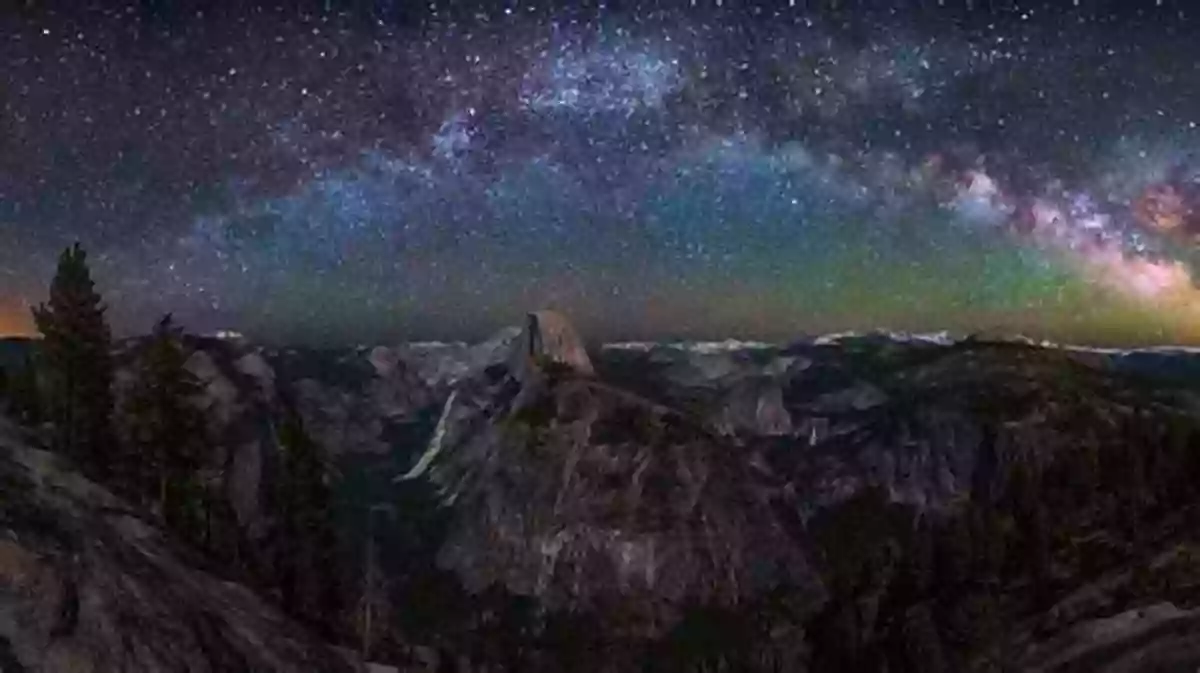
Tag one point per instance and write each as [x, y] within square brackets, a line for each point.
[307, 551]
[8, 403]
[922, 645]
[78, 364]
[166, 431]
[372, 608]
[23, 394]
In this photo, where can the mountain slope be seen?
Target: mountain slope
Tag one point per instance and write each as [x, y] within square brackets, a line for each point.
[87, 584]
[935, 506]
[854, 503]
[592, 500]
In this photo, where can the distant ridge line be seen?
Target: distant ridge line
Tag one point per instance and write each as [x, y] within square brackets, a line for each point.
[941, 338]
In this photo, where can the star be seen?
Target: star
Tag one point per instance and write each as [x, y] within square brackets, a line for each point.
[386, 171]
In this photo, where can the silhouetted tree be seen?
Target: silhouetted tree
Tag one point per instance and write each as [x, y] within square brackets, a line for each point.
[24, 396]
[1029, 512]
[953, 554]
[307, 551]
[837, 637]
[167, 431]
[921, 645]
[917, 567]
[222, 536]
[1039, 552]
[78, 364]
[372, 611]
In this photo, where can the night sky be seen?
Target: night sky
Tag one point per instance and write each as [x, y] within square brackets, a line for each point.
[370, 171]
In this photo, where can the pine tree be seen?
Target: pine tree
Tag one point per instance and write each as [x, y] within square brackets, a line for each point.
[953, 554]
[24, 395]
[167, 432]
[922, 645]
[373, 604]
[308, 545]
[78, 365]
[1040, 553]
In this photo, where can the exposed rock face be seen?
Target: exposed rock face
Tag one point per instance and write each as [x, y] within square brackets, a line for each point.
[548, 337]
[549, 502]
[619, 483]
[595, 500]
[88, 585]
[1159, 637]
[442, 365]
[754, 406]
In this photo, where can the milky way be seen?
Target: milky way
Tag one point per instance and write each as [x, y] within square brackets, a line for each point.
[366, 171]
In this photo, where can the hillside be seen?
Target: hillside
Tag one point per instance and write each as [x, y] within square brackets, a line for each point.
[861, 502]
[89, 584]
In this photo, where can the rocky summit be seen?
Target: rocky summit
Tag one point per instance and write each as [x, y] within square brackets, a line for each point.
[873, 502]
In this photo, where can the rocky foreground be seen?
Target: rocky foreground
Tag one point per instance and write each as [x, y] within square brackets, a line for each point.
[866, 503]
[87, 584]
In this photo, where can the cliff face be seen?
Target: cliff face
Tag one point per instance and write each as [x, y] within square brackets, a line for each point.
[931, 506]
[594, 500]
[86, 584]
[826, 502]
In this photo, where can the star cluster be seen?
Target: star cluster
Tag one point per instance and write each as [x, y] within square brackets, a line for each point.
[369, 171]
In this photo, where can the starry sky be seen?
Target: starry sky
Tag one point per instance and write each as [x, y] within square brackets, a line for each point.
[367, 171]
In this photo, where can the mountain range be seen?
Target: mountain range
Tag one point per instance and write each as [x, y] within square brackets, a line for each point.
[848, 502]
